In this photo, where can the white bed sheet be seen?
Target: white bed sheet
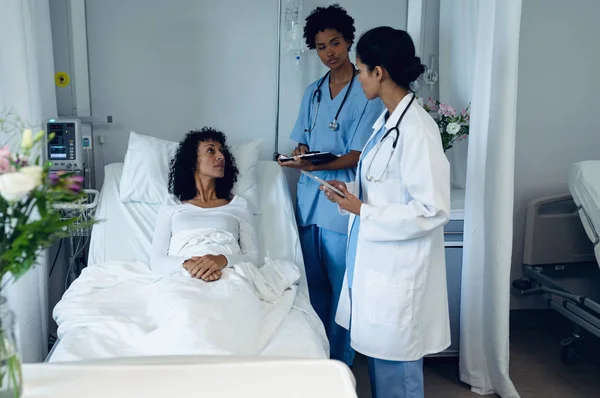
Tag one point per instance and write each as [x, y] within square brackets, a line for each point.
[584, 185]
[126, 235]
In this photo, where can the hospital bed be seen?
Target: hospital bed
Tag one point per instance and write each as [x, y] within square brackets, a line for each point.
[561, 237]
[125, 234]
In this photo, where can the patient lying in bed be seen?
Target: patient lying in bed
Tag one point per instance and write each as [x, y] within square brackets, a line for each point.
[123, 308]
[211, 229]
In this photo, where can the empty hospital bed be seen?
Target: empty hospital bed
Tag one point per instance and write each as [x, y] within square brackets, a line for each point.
[561, 236]
[125, 234]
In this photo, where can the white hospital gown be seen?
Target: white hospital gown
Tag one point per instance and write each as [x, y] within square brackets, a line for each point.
[234, 218]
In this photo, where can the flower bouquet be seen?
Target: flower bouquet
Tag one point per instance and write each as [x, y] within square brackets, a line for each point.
[453, 127]
[29, 223]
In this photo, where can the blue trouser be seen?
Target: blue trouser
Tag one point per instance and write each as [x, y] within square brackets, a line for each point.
[324, 254]
[396, 379]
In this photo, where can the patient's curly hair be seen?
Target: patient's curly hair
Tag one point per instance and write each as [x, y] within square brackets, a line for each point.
[182, 183]
[332, 17]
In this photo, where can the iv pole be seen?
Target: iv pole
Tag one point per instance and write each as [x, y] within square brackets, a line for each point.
[276, 148]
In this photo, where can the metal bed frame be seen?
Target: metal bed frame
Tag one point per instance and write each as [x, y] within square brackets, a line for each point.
[555, 240]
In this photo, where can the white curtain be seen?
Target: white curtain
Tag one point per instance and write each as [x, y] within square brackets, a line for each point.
[480, 44]
[458, 28]
[27, 87]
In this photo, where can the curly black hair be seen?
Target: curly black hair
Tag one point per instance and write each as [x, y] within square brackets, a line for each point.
[332, 17]
[182, 183]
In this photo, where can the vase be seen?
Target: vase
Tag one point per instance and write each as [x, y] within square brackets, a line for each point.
[11, 376]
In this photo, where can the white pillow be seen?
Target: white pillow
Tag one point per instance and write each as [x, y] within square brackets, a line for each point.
[246, 158]
[145, 175]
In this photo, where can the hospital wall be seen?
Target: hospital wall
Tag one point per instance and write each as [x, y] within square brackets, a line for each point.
[162, 68]
[558, 102]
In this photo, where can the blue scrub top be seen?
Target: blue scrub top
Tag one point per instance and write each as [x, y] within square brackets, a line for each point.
[355, 127]
[353, 238]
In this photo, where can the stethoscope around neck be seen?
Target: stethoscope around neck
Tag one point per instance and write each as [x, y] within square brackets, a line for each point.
[395, 130]
[333, 125]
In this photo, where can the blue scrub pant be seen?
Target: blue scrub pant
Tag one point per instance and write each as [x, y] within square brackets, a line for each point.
[396, 379]
[324, 254]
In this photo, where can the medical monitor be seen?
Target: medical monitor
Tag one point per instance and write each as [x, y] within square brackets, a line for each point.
[64, 150]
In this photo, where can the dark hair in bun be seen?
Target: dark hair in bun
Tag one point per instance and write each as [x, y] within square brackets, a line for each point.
[393, 50]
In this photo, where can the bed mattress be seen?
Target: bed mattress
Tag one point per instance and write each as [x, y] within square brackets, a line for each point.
[584, 185]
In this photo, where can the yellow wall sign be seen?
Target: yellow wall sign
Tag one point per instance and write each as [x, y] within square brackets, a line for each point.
[61, 79]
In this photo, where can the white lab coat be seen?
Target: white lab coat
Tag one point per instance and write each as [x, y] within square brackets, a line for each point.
[399, 296]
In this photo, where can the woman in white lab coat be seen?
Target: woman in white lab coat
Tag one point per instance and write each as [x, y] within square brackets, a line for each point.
[394, 300]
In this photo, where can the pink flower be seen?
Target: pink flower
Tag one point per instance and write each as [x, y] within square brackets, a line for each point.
[450, 111]
[5, 165]
[431, 105]
[74, 188]
[73, 183]
[54, 178]
[77, 179]
[446, 110]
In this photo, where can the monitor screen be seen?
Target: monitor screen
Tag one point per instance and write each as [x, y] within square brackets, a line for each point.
[58, 152]
[62, 145]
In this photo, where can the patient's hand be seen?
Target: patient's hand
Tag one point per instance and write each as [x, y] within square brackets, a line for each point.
[215, 276]
[207, 268]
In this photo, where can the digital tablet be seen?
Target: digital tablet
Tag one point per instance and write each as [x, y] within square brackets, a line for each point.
[322, 182]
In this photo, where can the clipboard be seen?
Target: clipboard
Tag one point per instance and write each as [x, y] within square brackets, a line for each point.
[315, 157]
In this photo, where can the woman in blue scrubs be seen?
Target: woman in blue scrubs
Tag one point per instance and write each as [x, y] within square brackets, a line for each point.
[335, 116]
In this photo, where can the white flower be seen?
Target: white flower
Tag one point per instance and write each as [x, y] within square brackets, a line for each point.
[420, 101]
[27, 140]
[15, 186]
[39, 135]
[34, 172]
[453, 128]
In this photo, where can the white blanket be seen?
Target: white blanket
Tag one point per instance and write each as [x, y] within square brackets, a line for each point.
[124, 309]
